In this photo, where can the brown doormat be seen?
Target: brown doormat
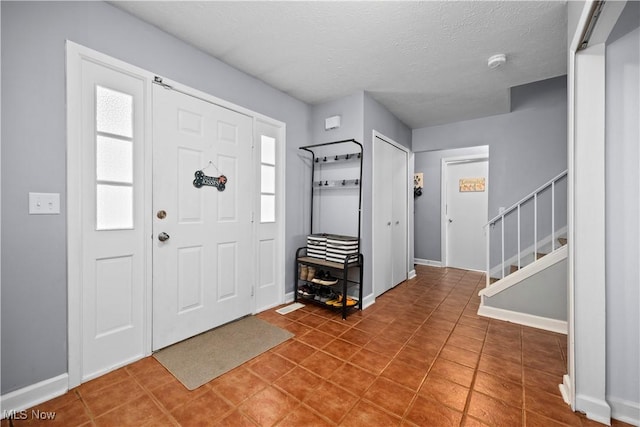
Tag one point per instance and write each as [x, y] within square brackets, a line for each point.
[198, 360]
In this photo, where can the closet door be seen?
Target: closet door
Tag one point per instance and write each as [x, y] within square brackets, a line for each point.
[390, 216]
[382, 217]
[399, 204]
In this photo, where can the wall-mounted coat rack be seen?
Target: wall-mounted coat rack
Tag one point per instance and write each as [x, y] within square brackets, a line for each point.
[326, 153]
[337, 158]
[336, 183]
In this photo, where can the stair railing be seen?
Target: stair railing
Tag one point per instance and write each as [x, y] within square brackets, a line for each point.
[516, 209]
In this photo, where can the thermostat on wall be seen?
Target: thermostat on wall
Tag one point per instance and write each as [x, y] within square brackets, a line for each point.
[332, 122]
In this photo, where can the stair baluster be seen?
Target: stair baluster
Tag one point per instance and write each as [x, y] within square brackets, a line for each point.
[501, 217]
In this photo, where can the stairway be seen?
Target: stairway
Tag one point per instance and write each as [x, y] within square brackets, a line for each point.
[534, 295]
[527, 260]
[562, 241]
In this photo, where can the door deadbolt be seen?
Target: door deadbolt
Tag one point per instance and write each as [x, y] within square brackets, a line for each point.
[162, 214]
[163, 237]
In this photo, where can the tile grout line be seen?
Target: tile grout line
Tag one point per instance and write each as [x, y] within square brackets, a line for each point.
[415, 397]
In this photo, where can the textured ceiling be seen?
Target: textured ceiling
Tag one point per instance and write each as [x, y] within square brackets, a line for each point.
[425, 61]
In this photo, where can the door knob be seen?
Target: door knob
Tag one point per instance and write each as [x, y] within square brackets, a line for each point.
[397, 222]
[389, 223]
[163, 236]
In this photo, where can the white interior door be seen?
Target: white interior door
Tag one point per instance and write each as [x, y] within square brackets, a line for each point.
[399, 206]
[466, 214]
[111, 211]
[203, 271]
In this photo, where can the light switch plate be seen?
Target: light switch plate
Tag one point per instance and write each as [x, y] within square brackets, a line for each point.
[44, 203]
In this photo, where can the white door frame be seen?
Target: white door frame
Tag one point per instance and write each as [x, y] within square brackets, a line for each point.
[446, 161]
[75, 55]
[409, 196]
[585, 215]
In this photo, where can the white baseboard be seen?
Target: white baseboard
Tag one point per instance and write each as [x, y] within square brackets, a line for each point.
[624, 410]
[288, 297]
[412, 275]
[428, 262]
[270, 306]
[595, 409]
[553, 325]
[34, 394]
[565, 389]
[368, 301]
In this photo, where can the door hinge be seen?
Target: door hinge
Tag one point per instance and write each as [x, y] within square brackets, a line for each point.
[252, 215]
[252, 290]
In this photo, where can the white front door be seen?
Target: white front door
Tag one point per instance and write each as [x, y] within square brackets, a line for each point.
[203, 271]
[466, 214]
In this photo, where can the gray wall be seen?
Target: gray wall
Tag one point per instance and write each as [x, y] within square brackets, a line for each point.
[527, 147]
[336, 210]
[34, 281]
[428, 228]
[622, 159]
[361, 114]
[544, 294]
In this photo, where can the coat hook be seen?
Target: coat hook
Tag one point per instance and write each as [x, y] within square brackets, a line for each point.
[336, 157]
[344, 182]
[325, 159]
[357, 182]
[346, 157]
[359, 154]
[317, 159]
[326, 183]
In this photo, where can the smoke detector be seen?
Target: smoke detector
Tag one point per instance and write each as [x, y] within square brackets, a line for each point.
[496, 61]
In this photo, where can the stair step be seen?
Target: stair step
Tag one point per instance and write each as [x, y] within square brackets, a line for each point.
[515, 268]
[539, 255]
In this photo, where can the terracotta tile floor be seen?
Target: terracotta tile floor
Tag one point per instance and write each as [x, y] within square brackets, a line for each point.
[420, 356]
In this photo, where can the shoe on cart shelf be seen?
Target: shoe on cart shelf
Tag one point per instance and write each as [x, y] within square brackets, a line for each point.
[304, 272]
[324, 278]
[336, 301]
[311, 273]
[306, 290]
